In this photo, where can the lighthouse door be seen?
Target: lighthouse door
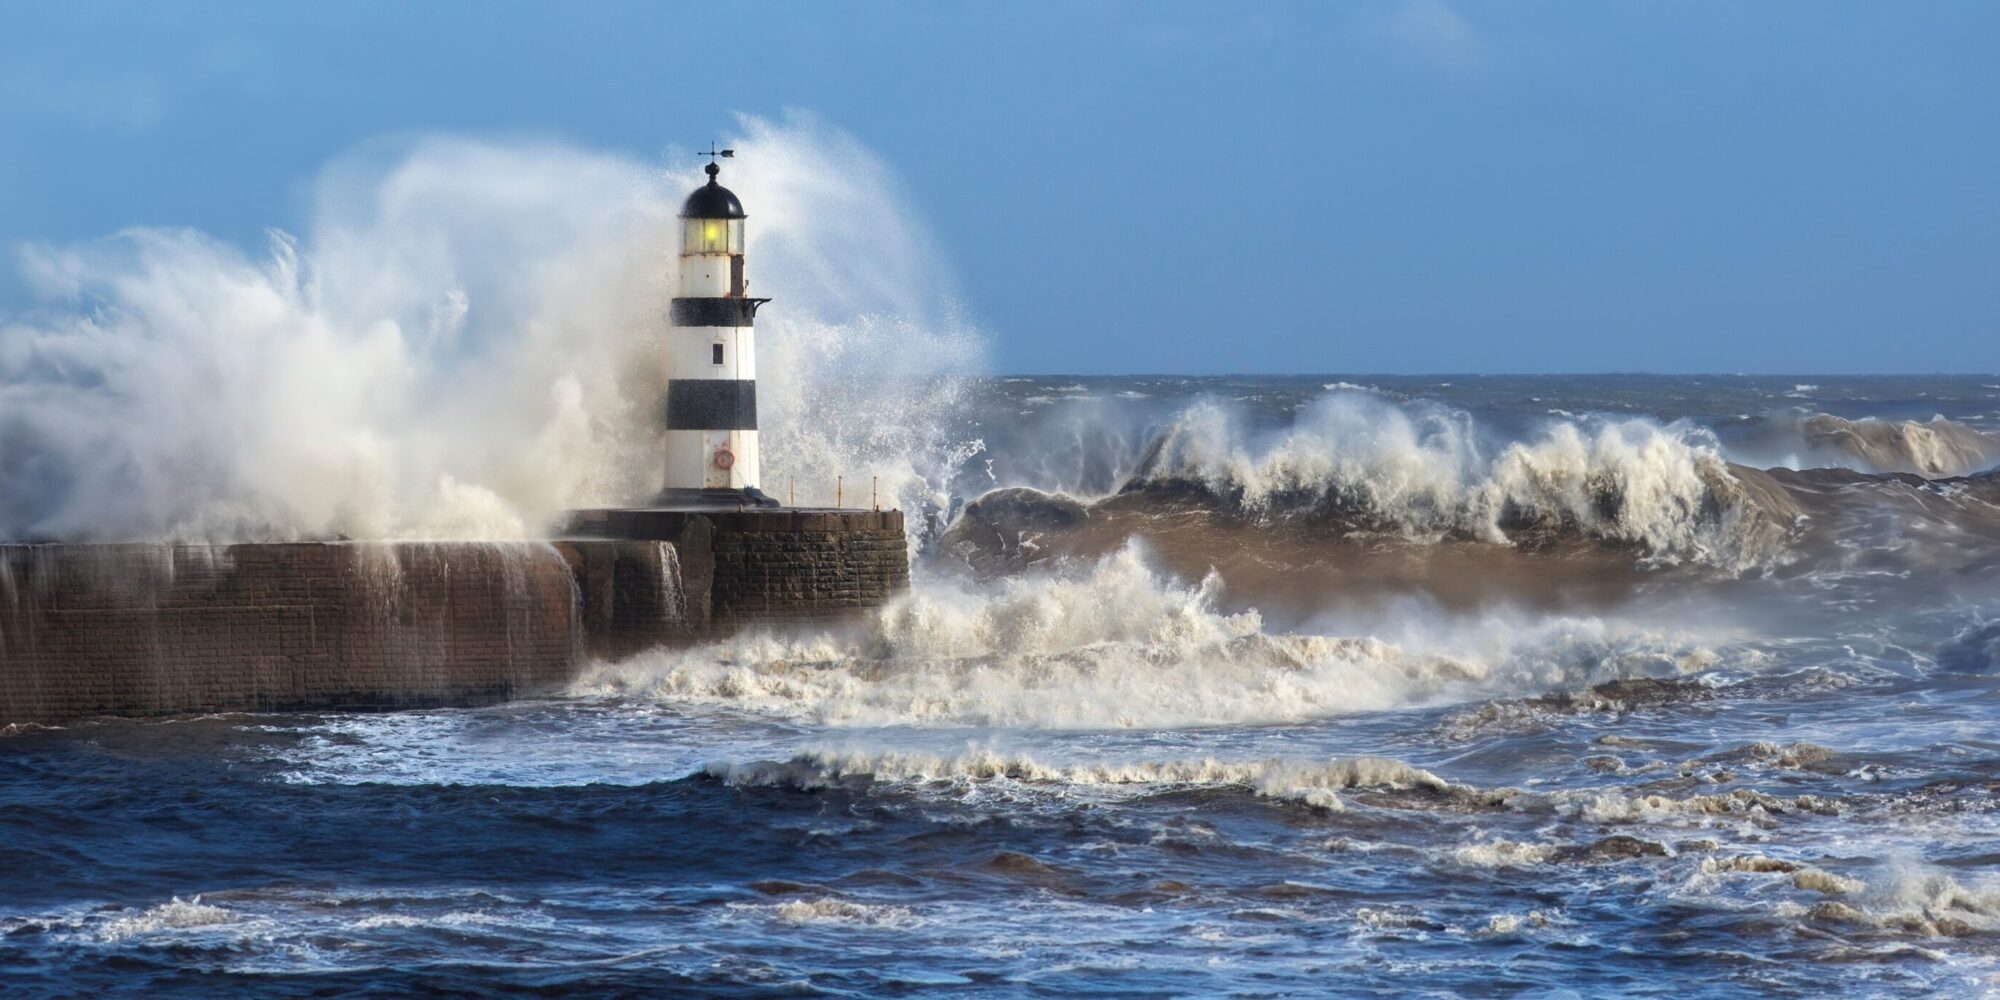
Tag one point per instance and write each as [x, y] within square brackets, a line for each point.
[736, 274]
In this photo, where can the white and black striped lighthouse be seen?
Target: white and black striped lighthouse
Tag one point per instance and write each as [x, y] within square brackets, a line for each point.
[711, 410]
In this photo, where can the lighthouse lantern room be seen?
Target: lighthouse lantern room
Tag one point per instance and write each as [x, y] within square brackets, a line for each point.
[711, 357]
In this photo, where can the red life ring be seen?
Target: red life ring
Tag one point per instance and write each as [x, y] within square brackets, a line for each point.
[724, 458]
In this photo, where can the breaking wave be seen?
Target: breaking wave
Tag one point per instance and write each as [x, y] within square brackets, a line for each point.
[1423, 471]
[1897, 897]
[1364, 467]
[1115, 644]
[1934, 449]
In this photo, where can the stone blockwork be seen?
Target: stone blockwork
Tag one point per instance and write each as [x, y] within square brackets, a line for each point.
[764, 577]
[161, 629]
[157, 629]
[736, 569]
[634, 594]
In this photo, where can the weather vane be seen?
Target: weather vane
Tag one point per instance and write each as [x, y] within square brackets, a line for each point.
[714, 152]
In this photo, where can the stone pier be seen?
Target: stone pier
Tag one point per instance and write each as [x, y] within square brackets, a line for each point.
[738, 569]
[88, 630]
[158, 630]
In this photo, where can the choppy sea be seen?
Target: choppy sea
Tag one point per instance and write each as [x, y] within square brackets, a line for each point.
[1206, 686]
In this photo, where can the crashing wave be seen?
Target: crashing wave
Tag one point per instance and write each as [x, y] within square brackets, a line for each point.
[1424, 473]
[458, 350]
[1899, 897]
[1937, 448]
[1116, 645]
[1934, 450]
[1353, 464]
[1925, 900]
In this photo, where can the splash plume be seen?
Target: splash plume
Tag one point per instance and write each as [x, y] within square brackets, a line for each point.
[461, 344]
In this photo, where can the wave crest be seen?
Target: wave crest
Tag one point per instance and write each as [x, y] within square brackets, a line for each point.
[1422, 471]
[1934, 449]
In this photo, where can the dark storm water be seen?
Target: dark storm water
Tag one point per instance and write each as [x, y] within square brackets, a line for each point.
[1108, 778]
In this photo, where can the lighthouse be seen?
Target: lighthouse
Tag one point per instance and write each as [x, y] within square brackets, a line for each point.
[711, 358]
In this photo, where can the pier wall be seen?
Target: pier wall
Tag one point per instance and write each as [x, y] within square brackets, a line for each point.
[89, 630]
[738, 569]
[156, 629]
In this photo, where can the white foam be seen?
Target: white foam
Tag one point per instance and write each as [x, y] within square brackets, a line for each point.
[178, 914]
[829, 911]
[1313, 783]
[1742, 804]
[1504, 853]
[1115, 645]
[453, 919]
[1502, 924]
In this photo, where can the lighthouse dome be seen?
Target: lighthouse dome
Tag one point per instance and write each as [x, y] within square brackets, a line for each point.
[712, 201]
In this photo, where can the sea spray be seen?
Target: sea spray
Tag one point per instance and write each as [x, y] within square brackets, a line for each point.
[341, 384]
[462, 344]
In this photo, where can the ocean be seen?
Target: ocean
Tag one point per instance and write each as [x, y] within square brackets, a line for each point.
[1246, 686]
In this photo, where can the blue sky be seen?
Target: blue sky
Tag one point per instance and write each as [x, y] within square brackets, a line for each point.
[1431, 185]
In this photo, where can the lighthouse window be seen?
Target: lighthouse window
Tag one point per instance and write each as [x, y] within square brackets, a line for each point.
[715, 353]
[712, 235]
